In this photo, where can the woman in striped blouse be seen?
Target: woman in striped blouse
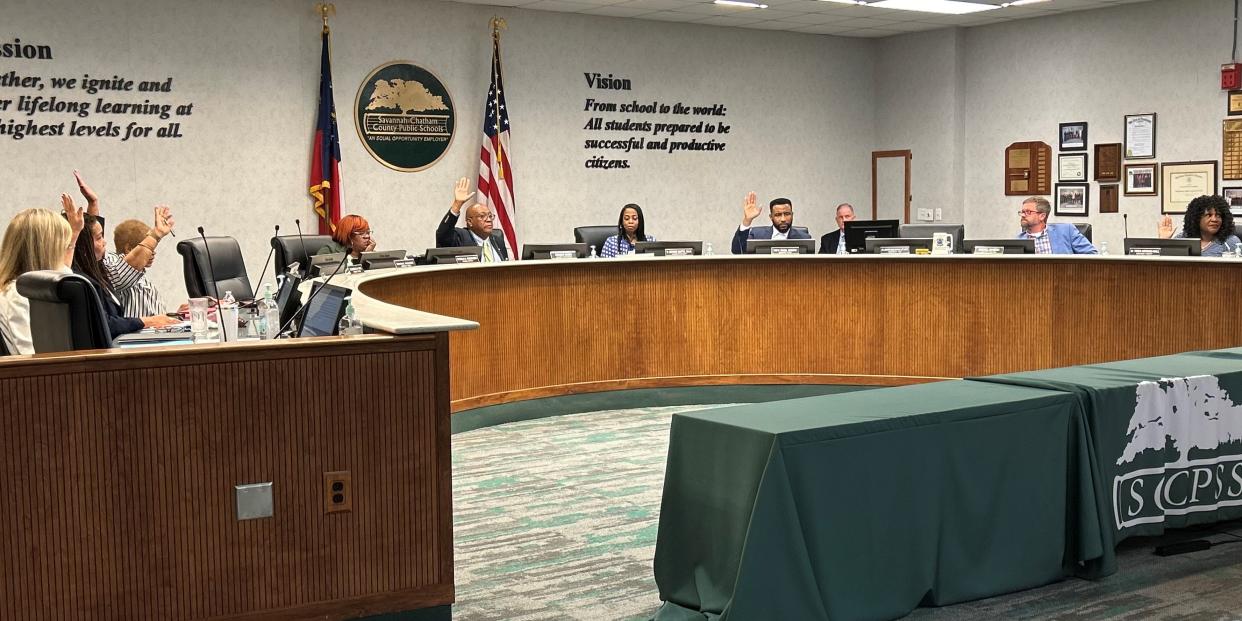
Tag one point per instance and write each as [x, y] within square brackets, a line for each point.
[630, 230]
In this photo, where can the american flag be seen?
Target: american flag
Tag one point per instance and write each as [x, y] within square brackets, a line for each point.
[495, 173]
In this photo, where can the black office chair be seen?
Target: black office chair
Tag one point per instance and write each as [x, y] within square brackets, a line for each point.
[594, 235]
[1084, 228]
[226, 264]
[296, 248]
[65, 312]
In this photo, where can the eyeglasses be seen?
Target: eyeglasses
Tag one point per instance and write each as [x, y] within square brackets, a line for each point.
[487, 216]
[366, 233]
[1027, 212]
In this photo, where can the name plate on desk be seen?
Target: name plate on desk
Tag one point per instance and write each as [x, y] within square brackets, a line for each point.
[355, 269]
[679, 252]
[1145, 252]
[989, 250]
[404, 263]
[894, 250]
[563, 254]
[465, 258]
[784, 250]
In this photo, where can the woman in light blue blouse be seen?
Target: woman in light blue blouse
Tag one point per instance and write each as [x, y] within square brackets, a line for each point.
[630, 230]
[1209, 220]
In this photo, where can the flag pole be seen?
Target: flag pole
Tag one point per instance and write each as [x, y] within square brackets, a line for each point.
[497, 24]
[325, 10]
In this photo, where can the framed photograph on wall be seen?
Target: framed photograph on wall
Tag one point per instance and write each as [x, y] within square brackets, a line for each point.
[1073, 136]
[1142, 179]
[1141, 136]
[1234, 197]
[1072, 167]
[1235, 103]
[1182, 182]
[1072, 199]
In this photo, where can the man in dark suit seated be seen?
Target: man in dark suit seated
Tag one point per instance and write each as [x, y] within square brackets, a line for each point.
[833, 243]
[780, 210]
[479, 229]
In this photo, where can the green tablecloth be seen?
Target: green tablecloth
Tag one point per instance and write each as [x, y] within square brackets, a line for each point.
[865, 505]
[1166, 433]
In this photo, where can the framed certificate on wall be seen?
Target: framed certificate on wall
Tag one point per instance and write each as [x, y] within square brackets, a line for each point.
[1140, 136]
[1183, 182]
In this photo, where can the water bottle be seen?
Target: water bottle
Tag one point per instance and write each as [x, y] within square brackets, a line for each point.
[1103, 247]
[593, 255]
[227, 313]
[269, 315]
[707, 249]
[349, 325]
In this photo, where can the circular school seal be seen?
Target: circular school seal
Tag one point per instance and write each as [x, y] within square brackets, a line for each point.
[404, 116]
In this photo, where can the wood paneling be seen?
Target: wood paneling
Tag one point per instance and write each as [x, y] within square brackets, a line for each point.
[119, 471]
[549, 327]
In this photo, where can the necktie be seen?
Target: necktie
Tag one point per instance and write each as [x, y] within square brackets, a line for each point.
[487, 252]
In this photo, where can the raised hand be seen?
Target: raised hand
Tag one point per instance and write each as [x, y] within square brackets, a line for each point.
[750, 209]
[92, 199]
[73, 213]
[1166, 227]
[163, 221]
[461, 191]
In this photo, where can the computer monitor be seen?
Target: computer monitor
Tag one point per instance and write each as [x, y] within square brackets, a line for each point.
[381, 259]
[327, 264]
[857, 232]
[999, 246]
[898, 245]
[780, 246]
[554, 251]
[323, 315]
[454, 254]
[669, 248]
[1160, 247]
[918, 231]
[288, 298]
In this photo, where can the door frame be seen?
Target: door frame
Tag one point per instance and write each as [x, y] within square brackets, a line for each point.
[875, 158]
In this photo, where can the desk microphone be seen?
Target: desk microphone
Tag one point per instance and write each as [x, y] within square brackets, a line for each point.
[314, 291]
[302, 240]
[211, 270]
[275, 269]
[1125, 224]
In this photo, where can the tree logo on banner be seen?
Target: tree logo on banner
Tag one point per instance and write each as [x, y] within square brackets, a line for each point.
[1183, 453]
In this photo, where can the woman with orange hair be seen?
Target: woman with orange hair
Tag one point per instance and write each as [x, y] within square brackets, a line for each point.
[352, 235]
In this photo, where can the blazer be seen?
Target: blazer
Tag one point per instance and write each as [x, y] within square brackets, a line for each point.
[828, 243]
[1065, 239]
[763, 232]
[450, 236]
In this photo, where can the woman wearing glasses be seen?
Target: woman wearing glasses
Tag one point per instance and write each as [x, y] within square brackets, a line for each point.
[353, 235]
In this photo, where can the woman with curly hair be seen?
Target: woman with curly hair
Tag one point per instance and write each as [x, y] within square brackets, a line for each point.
[1209, 220]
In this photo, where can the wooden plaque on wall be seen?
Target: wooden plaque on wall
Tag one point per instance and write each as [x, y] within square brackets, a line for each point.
[1027, 169]
[1231, 150]
[1108, 196]
[1108, 162]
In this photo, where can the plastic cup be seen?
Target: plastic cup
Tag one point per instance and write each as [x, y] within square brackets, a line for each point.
[198, 317]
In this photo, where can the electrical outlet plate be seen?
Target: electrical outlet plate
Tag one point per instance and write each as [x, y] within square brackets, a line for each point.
[338, 492]
[925, 214]
[939, 214]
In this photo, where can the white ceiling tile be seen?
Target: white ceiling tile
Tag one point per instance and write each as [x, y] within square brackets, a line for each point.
[822, 29]
[653, 5]
[728, 20]
[870, 33]
[815, 18]
[672, 16]
[558, 5]
[775, 25]
[617, 11]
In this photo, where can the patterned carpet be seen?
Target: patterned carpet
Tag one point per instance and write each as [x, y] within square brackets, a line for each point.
[556, 518]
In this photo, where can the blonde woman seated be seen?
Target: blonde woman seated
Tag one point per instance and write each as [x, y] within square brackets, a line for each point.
[1209, 220]
[36, 239]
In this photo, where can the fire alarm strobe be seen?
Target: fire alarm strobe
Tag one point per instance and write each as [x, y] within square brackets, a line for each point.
[1229, 76]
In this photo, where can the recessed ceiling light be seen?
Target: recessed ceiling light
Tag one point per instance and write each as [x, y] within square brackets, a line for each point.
[751, 5]
[846, 1]
[1021, 2]
[948, 7]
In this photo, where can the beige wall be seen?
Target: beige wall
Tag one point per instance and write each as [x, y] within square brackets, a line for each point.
[800, 107]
